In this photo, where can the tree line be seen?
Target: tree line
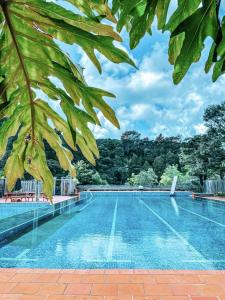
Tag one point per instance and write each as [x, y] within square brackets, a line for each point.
[137, 160]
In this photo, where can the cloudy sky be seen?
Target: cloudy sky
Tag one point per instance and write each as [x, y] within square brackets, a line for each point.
[147, 100]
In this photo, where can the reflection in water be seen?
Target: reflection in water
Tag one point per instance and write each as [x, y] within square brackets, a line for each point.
[175, 206]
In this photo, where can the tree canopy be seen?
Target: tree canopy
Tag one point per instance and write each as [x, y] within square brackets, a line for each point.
[36, 72]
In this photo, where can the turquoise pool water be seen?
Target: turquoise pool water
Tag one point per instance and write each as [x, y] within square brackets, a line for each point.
[12, 209]
[126, 230]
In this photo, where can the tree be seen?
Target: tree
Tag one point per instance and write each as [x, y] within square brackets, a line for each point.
[146, 178]
[86, 175]
[130, 141]
[203, 156]
[214, 118]
[169, 173]
[159, 166]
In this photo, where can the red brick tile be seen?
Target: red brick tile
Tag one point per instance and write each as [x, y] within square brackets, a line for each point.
[141, 278]
[162, 272]
[26, 288]
[67, 271]
[213, 290]
[112, 271]
[141, 271]
[188, 278]
[80, 271]
[32, 297]
[117, 278]
[6, 287]
[175, 298]
[204, 298]
[213, 278]
[158, 289]
[52, 289]
[78, 289]
[48, 277]
[104, 290]
[24, 277]
[31, 271]
[162, 298]
[4, 277]
[70, 278]
[96, 271]
[147, 298]
[130, 289]
[21, 270]
[61, 297]
[5, 270]
[187, 289]
[55, 271]
[93, 278]
[118, 298]
[167, 278]
[89, 298]
[11, 297]
[126, 271]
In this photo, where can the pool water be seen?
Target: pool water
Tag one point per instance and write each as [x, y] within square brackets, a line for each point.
[126, 230]
[12, 209]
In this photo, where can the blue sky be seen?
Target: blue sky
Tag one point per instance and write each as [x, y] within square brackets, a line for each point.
[147, 100]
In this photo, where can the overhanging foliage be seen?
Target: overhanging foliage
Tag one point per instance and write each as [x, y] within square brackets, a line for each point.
[29, 58]
[190, 23]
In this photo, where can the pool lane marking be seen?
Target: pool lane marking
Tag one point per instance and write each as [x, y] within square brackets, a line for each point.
[212, 260]
[24, 252]
[211, 206]
[112, 234]
[85, 206]
[105, 261]
[196, 202]
[174, 231]
[16, 259]
[201, 216]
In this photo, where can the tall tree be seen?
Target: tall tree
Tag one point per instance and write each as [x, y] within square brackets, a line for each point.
[214, 118]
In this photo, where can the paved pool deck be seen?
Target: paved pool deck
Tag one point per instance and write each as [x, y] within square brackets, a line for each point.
[46, 284]
[216, 198]
[55, 199]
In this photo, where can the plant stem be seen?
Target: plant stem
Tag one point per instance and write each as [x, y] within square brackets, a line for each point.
[4, 6]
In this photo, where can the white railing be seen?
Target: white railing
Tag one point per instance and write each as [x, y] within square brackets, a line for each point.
[214, 186]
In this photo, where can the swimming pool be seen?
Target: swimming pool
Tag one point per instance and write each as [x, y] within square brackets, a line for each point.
[12, 209]
[126, 230]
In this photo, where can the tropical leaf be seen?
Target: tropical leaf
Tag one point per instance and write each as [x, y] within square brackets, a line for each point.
[137, 16]
[31, 62]
[190, 24]
[201, 24]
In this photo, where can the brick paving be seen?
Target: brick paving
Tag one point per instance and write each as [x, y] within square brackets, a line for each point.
[46, 284]
[55, 199]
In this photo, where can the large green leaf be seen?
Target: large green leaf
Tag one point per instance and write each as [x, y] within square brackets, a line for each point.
[31, 61]
[190, 24]
[201, 24]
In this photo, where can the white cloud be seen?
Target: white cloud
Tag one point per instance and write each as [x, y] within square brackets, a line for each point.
[200, 128]
[147, 100]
